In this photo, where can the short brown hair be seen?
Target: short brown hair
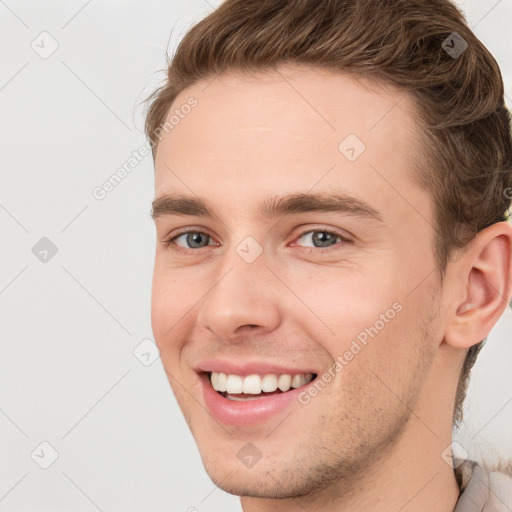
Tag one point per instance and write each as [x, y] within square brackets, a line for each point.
[466, 159]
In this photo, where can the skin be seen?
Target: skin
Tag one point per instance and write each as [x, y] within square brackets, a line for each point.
[373, 438]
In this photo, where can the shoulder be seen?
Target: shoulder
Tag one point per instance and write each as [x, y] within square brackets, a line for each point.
[484, 489]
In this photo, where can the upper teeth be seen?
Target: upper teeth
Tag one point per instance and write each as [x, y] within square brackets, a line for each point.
[255, 384]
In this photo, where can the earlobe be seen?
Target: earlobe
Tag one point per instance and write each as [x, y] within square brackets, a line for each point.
[484, 276]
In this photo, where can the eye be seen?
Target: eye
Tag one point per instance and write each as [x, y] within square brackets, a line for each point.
[321, 238]
[191, 240]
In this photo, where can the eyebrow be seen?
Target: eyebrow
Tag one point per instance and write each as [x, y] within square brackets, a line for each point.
[271, 207]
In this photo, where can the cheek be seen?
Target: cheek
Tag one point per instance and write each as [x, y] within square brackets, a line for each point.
[378, 383]
[348, 304]
[172, 299]
[385, 364]
[367, 324]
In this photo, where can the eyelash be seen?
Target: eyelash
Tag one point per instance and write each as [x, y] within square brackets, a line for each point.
[170, 241]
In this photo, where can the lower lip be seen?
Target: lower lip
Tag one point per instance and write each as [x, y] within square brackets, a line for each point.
[250, 412]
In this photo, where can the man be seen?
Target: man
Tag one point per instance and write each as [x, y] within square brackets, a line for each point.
[332, 249]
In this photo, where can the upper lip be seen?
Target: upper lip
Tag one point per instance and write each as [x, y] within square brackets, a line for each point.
[244, 368]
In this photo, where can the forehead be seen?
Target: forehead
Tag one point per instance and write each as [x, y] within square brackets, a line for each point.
[290, 130]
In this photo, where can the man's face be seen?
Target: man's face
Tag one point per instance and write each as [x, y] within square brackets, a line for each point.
[293, 291]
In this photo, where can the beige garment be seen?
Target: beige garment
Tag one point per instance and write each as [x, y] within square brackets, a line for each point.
[483, 491]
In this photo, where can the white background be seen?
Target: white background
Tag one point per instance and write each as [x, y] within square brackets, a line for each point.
[68, 375]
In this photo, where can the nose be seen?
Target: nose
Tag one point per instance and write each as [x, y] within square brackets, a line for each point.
[243, 300]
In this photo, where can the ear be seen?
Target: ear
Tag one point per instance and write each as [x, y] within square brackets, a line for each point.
[483, 282]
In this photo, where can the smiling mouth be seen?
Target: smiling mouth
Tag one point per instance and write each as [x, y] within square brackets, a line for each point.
[253, 387]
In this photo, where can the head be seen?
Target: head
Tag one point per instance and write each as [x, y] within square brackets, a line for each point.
[354, 103]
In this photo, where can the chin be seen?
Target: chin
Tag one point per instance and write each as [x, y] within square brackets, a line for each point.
[260, 484]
